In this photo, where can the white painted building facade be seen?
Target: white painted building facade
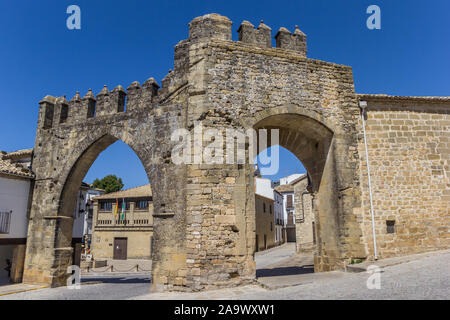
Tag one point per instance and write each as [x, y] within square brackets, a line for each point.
[279, 217]
[16, 182]
[290, 178]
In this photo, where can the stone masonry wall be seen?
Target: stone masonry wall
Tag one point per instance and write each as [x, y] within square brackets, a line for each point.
[409, 152]
[235, 85]
[304, 218]
[204, 214]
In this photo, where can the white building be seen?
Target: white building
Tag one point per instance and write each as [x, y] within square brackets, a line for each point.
[263, 187]
[16, 181]
[83, 215]
[16, 184]
[287, 190]
[279, 218]
[289, 179]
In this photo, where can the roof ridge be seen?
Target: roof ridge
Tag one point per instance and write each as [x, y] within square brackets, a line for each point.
[118, 193]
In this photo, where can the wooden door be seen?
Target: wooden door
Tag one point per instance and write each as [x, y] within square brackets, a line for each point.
[120, 249]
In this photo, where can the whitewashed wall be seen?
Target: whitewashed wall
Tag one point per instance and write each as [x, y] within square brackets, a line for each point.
[285, 213]
[289, 179]
[14, 196]
[78, 223]
[264, 187]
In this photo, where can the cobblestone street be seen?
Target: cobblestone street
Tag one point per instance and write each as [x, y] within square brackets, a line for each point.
[424, 277]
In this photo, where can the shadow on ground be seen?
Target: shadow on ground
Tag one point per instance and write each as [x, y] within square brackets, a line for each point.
[115, 280]
[284, 271]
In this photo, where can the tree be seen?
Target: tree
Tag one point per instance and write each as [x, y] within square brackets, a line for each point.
[110, 183]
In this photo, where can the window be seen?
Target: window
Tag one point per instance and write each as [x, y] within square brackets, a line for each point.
[106, 206]
[289, 201]
[127, 205]
[5, 221]
[264, 207]
[141, 204]
[390, 226]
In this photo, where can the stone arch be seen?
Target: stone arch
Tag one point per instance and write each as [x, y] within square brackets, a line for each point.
[317, 143]
[204, 213]
[250, 122]
[76, 168]
[79, 164]
[303, 132]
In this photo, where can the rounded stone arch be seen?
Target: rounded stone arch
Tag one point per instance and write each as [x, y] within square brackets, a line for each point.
[251, 121]
[305, 133]
[321, 144]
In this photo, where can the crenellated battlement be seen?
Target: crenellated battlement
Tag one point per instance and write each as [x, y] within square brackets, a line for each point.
[260, 37]
[295, 41]
[215, 26]
[211, 25]
[54, 111]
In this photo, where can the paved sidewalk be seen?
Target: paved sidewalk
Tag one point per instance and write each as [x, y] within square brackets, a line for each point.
[267, 257]
[424, 276]
[362, 267]
[295, 270]
[219, 294]
[18, 288]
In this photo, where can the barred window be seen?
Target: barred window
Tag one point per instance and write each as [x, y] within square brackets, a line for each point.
[106, 206]
[5, 221]
[142, 204]
[390, 226]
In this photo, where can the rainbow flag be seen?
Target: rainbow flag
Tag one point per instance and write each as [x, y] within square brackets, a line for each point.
[115, 211]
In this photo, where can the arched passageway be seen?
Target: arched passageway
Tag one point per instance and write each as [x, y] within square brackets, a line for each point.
[62, 223]
[314, 144]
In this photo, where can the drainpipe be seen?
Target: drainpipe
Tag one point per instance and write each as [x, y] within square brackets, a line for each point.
[363, 106]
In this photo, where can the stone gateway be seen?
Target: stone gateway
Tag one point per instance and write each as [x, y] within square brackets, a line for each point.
[204, 215]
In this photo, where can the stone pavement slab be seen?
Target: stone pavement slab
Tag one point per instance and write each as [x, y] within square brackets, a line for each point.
[277, 282]
[18, 288]
[362, 267]
[219, 294]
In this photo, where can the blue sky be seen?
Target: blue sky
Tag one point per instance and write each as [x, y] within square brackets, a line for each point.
[124, 41]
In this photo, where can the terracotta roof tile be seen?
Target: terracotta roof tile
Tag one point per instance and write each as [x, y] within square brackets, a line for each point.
[19, 154]
[10, 167]
[142, 191]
